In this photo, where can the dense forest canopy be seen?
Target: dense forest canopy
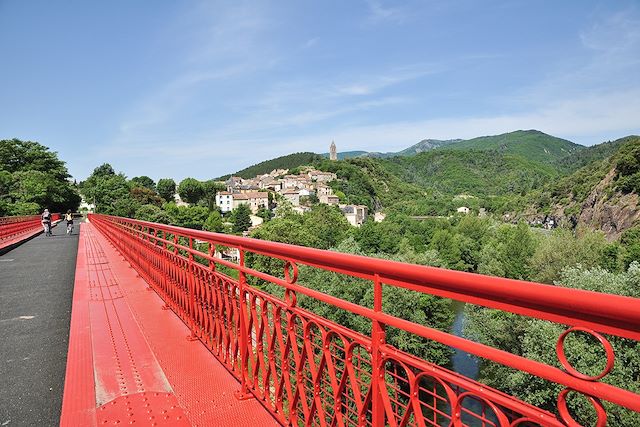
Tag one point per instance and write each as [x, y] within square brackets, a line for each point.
[289, 161]
[33, 178]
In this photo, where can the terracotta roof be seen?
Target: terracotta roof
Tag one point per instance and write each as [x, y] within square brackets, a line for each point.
[252, 195]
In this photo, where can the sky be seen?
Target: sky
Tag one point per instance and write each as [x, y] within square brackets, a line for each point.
[205, 88]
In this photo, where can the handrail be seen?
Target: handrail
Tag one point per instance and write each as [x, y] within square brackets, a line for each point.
[612, 314]
[13, 227]
[208, 300]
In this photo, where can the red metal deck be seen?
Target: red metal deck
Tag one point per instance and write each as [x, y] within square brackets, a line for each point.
[130, 361]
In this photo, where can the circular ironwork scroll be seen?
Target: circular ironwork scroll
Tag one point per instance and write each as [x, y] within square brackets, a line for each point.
[290, 298]
[570, 369]
[563, 410]
[290, 276]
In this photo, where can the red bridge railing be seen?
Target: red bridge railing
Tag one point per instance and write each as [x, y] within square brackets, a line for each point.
[12, 227]
[307, 370]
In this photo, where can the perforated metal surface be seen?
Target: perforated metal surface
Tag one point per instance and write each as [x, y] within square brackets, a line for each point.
[143, 409]
[201, 384]
[141, 368]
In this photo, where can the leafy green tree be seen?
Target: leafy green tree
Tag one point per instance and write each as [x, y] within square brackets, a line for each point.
[191, 190]
[450, 246]
[508, 252]
[166, 188]
[187, 216]
[145, 196]
[33, 178]
[110, 192]
[209, 190]
[630, 242]
[326, 225]
[564, 249]
[104, 169]
[152, 213]
[628, 167]
[241, 218]
[143, 181]
[369, 236]
[214, 222]
[24, 208]
[265, 213]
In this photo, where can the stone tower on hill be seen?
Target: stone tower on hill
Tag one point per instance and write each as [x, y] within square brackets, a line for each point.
[333, 154]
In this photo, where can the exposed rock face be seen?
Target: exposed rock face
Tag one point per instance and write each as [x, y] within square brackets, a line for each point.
[604, 209]
[611, 214]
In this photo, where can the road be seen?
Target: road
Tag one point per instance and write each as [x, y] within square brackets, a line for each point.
[36, 287]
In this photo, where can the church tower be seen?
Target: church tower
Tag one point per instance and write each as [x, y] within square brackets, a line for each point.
[333, 154]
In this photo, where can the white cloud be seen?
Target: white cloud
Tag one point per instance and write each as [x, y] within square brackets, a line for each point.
[378, 13]
[619, 32]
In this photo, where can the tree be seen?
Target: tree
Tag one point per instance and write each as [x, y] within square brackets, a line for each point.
[104, 169]
[326, 225]
[152, 213]
[190, 190]
[187, 216]
[209, 190]
[143, 181]
[564, 249]
[508, 253]
[214, 222]
[145, 196]
[110, 192]
[166, 188]
[33, 178]
[241, 218]
[265, 213]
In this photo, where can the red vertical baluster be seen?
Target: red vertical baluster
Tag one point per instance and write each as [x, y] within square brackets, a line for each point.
[191, 286]
[243, 334]
[377, 341]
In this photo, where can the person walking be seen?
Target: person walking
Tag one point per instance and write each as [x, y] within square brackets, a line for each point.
[69, 218]
[46, 222]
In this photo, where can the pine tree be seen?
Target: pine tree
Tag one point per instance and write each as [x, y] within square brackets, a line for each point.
[242, 218]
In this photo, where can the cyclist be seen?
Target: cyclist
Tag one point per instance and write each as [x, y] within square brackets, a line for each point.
[69, 218]
[46, 222]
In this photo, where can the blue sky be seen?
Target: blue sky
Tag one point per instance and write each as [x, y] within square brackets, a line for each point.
[204, 88]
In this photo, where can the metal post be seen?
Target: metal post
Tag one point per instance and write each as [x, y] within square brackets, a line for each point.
[191, 285]
[377, 341]
[243, 334]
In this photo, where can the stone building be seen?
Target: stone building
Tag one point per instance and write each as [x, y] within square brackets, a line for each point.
[333, 153]
[355, 214]
[255, 200]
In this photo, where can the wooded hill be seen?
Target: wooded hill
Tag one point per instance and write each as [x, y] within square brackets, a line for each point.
[525, 174]
[289, 161]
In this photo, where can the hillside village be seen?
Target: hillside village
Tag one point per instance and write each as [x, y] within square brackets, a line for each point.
[299, 191]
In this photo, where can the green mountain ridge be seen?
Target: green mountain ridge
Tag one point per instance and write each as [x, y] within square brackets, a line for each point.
[426, 145]
[527, 174]
[530, 144]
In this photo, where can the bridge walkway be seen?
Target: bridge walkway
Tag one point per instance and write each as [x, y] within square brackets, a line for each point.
[36, 286]
[86, 343]
[130, 361]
